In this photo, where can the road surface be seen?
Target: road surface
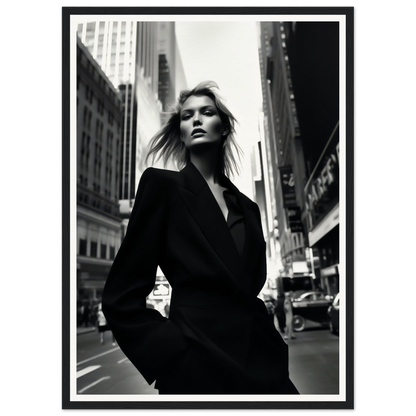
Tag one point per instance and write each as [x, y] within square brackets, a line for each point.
[104, 369]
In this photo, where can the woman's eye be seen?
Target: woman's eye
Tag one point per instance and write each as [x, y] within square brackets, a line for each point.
[208, 113]
[186, 117]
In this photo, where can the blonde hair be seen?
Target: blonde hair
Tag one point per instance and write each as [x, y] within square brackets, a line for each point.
[167, 143]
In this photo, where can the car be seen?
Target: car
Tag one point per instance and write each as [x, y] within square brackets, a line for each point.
[333, 316]
[311, 306]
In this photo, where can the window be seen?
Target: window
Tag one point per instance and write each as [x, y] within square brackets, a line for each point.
[89, 94]
[103, 242]
[100, 107]
[82, 247]
[93, 249]
[97, 159]
[103, 251]
[82, 237]
[112, 241]
[85, 119]
[93, 237]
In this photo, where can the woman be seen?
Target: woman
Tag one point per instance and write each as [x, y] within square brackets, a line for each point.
[102, 325]
[287, 305]
[206, 237]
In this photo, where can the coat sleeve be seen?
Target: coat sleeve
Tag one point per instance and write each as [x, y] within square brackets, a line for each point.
[148, 339]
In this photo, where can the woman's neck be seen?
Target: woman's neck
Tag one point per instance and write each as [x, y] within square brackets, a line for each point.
[208, 167]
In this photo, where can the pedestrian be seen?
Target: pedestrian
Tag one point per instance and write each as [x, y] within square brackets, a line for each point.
[86, 314]
[287, 305]
[280, 313]
[206, 237]
[270, 306]
[102, 325]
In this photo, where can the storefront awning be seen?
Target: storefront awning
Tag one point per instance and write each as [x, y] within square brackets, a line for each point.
[330, 221]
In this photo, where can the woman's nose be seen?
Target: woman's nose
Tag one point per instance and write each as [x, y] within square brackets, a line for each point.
[197, 121]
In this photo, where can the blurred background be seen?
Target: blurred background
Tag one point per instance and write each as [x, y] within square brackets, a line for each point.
[281, 81]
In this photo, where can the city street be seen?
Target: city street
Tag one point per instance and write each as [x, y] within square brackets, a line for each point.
[104, 369]
[314, 360]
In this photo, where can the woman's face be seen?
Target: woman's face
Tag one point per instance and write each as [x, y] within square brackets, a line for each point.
[200, 122]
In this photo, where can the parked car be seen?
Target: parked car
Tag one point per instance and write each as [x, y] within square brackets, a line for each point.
[311, 306]
[333, 315]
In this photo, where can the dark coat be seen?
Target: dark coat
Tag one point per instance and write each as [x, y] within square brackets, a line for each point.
[218, 338]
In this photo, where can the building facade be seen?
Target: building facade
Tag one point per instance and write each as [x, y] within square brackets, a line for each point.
[285, 162]
[172, 78]
[99, 121]
[127, 53]
[313, 50]
[142, 61]
[299, 67]
[143, 65]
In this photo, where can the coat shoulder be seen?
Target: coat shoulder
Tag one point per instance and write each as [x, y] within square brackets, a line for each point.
[159, 177]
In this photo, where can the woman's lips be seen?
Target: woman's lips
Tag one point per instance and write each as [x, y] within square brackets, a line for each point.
[198, 132]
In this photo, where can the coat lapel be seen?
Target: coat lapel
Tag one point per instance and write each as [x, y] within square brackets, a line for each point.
[204, 208]
[254, 237]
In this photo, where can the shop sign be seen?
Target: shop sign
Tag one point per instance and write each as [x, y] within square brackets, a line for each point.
[160, 291]
[288, 186]
[329, 271]
[330, 221]
[300, 267]
[294, 218]
[323, 189]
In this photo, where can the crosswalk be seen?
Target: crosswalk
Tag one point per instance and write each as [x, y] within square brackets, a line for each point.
[104, 369]
[93, 384]
[88, 370]
[98, 356]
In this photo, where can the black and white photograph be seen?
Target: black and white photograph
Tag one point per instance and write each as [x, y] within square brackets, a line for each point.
[208, 239]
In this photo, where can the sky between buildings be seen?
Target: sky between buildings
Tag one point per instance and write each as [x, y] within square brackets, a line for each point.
[227, 53]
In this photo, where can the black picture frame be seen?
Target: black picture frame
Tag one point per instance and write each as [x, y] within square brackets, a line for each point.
[351, 403]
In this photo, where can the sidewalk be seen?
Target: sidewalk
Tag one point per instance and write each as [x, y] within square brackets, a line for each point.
[85, 330]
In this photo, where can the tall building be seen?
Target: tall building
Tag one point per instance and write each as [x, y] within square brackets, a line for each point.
[283, 148]
[171, 73]
[99, 120]
[125, 49]
[313, 50]
[128, 53]
[143, 62]
[299, 65]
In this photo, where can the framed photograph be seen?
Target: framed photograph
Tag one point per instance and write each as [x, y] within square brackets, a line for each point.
[167, 304]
